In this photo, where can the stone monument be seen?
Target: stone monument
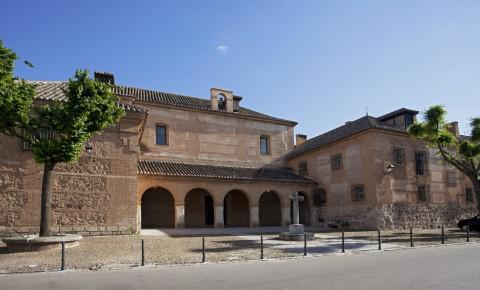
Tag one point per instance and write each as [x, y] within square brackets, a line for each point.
[296, 230]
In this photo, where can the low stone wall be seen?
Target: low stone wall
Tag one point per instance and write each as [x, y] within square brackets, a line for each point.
[423, 216]
[80, 230]
[365, 217]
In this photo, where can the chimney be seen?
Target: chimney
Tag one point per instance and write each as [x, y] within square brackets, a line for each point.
[300, 139]
[453, 128]
[222, 100]
[104, 77]
[236, 103]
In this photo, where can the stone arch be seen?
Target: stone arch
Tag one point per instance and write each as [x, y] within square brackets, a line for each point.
[270, 209]
[157, 208]
[199, 209]
[236, 210]
[304, 209]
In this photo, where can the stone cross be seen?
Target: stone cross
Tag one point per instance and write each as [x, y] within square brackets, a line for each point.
[296, 215]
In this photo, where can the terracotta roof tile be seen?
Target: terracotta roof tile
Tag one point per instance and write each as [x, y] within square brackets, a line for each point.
[179, 169]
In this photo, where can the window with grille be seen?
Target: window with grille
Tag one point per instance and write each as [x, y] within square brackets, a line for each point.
[398, 156]
[469, 195]
[37, 134]
[452, 177]
[422, 193]
[303, 168]
[421, 162]
[358, 192]
[336, 162]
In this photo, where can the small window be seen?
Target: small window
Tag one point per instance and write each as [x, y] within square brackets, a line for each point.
[422, 193]
[303, 168]
[336, 162]
[264, 145]
[469, 195]
[398, 156]
[37, 134]
[409, 119]
[421, 162]
[161, 137]
[358, 192]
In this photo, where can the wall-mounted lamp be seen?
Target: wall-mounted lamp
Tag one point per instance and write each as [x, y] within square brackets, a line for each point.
[389, 168]
[89, 147]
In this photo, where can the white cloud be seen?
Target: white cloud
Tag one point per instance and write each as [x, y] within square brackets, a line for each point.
[222, 48]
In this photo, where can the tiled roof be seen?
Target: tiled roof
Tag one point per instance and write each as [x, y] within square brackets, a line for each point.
[396, 113]
[50, 90]
[164, 168]
[349, 129]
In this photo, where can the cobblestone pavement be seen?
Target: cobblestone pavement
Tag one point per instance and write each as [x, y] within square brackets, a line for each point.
[125, 251]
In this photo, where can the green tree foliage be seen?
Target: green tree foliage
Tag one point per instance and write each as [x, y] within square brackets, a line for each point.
[461, 152]
[56, 130]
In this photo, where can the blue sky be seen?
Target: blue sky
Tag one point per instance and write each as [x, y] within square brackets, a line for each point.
[320, 63]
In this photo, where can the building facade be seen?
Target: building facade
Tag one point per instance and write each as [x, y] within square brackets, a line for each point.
[178, 161]
[173, 161]
[374, 175]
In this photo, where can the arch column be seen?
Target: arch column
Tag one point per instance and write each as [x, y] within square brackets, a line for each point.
[285, 216]
[219, 222]
[254, 219]
[180, 215]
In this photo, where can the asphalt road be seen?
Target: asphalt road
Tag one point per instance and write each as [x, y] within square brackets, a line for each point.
[443, 267]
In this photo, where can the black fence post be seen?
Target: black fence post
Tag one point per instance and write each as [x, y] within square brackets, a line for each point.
[443, 236]
[379, 241]
[143, 252]
[468, 234]
[63, 256]
[261, 246]
[343, 242]
[411, 237]
[203, 250]
[304, 244]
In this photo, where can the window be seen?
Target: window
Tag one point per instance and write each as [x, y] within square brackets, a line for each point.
[161, 137]
[398, 156]
[422, 193]
[469, 195]
[264, 145]
[452, 177]
[37, 134]
[420, 162]
[336, 162]
[303, 168]
[408, 120]
[358, 192]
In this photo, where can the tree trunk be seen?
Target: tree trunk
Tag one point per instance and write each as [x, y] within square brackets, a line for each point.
[46, 200]
[476, 188]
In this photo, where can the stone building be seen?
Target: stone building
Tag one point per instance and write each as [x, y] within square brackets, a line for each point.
[178, 161]
[374, 175]
[173, 161]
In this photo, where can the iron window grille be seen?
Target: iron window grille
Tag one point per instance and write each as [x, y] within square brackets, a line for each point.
[358, 192]
[421, 162]
[336, 162]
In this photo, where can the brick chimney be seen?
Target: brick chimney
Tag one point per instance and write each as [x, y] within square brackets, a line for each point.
[104, 77]
[222, 100]
[300, 139]
[453, 128]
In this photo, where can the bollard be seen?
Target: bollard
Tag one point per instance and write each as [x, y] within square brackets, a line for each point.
[468, 234]
[343, 242]
[379, 241]
[304, 244]
[63, 256]
[261, 246]
[143, 252]
[203, 250]
[443, 236]
[411, 237]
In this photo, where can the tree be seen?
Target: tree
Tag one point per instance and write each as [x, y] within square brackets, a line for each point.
[56, 131]
[461, 152]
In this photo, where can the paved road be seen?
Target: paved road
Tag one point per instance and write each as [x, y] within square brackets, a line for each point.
[447, 267]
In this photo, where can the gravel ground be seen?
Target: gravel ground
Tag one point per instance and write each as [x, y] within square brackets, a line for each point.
[124, 251]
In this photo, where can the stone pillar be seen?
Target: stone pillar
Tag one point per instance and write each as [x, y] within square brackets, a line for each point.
[285, 216]
[179, 215]
[219, 222]
[254, 220]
